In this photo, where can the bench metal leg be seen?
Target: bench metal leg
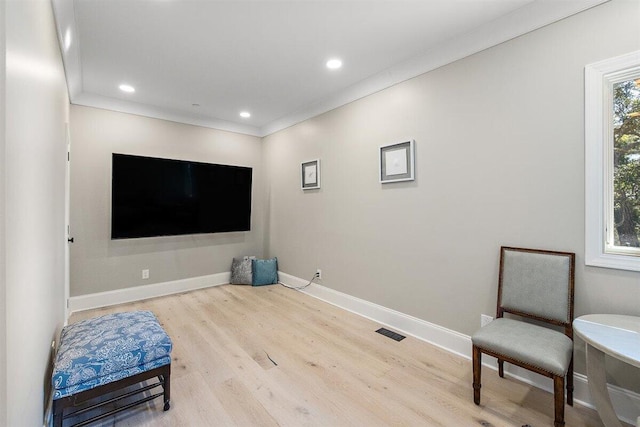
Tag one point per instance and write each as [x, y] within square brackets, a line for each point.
[167, 388]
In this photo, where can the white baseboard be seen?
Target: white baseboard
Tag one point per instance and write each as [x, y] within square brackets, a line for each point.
[137, 293]
[434, 334]
[625, 402]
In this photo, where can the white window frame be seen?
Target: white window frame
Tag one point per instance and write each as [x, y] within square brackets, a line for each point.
[599, 80]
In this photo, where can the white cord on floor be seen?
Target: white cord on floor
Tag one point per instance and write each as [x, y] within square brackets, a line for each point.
[299, 288]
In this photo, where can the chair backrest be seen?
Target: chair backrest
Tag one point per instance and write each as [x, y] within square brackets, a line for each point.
[537, 284]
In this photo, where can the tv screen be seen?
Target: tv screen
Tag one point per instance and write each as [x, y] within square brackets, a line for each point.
[163, 197]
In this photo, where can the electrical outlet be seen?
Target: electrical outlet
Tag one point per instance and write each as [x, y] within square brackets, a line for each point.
[319, 274]
[485, 319]
[145, 274]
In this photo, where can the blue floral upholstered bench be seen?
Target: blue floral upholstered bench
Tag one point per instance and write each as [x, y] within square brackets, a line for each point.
[104, 355]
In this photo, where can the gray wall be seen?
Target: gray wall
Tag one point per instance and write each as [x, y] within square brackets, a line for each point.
[500, 161]
[3, 293]
[100, 264]
[34, 165]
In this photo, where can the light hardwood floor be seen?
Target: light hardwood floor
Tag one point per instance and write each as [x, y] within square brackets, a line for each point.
[271, 356]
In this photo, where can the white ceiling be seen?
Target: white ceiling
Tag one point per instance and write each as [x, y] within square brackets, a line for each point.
[268, 57]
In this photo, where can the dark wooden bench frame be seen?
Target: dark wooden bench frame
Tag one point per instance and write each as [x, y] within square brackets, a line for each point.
[163, 373]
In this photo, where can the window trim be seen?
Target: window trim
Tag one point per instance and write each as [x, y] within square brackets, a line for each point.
[599, 79]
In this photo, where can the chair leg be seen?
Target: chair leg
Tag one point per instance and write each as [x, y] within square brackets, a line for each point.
[501, 368]
[558, 396]
[570, 383]
[477, 373]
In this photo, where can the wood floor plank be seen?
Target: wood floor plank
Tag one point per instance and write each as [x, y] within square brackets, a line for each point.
[271, 356]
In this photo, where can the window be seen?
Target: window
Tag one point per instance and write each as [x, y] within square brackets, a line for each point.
[612, 163]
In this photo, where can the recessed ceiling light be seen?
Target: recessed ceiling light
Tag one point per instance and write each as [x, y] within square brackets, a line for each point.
[127, 88]
[334, 64]
[245, 114]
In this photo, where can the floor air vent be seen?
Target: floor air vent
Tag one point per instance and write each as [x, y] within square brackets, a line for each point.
[390, 334]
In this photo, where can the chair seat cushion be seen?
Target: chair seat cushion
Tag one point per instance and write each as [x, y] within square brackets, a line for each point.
[534, 345]
[104, 349]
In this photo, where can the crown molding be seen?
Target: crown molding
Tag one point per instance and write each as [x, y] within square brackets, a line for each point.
[533, 16]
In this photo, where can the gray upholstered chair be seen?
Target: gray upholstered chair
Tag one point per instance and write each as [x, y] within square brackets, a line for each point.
[538, 285]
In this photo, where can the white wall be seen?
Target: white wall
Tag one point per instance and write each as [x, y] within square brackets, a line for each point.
[3, 304]
[500, 161]
[36, 111]
[100, 264]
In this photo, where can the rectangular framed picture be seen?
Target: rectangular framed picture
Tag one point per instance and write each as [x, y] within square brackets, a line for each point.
[397, 162]
[310, 173]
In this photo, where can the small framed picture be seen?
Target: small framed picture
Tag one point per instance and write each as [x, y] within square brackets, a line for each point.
[397, 162]
[310, 174]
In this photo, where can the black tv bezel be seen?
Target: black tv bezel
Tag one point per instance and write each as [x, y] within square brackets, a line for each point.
[196, 233]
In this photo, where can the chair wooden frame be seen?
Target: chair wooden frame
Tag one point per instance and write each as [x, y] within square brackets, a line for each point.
[558, 381]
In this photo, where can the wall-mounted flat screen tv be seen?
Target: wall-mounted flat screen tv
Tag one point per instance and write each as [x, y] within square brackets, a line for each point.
[162, 197]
